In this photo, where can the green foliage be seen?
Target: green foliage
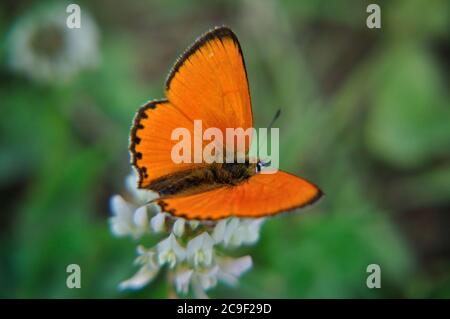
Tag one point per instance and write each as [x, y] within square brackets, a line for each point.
[408, 125]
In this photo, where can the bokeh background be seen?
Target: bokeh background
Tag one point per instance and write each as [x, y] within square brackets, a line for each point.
[365, 115]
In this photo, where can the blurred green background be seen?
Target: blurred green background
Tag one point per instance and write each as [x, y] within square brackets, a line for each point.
[365, 115]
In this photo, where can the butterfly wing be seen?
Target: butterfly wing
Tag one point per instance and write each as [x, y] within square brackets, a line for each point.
[262, 195]
[208, 83]
[151, 144]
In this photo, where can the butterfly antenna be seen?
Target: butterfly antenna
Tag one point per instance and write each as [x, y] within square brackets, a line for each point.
[275, 118]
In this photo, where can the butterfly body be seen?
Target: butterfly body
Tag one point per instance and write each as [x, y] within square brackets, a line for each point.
[209, 83]
[204, 178]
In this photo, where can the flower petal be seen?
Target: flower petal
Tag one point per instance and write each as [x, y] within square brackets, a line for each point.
[231, 269]
[121, 222]
[250, 230]
[200, 250]
[140, 279]
[182, 281]
[232, 235]
[140, 218]
[157, 222]
[219, 230]
[207, 279]
[178, 227]
[195, 244]
[120, 207]
[170, 252]
[180, 252]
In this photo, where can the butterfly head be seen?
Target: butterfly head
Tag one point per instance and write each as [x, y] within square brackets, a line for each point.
[262, 163]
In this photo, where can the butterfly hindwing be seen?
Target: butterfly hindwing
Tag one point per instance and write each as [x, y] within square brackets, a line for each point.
[261, 195]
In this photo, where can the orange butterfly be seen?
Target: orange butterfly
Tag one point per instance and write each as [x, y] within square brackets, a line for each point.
[209, 82]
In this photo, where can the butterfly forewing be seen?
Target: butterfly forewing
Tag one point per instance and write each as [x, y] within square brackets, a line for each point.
[209, 84]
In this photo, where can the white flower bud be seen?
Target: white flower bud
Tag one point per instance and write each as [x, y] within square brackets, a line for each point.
[194, 224]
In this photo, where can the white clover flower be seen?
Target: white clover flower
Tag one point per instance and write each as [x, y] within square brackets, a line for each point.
[41, 46]
[134, 218]
[170, 252]
[200, 250]
[127, 219]
[149, 269]
[227, 270]
[192, 250]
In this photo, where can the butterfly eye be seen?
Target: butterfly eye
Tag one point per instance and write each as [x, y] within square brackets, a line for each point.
[261, 164]
[258, 167]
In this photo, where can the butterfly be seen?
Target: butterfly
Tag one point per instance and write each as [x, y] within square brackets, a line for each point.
[209, 82]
